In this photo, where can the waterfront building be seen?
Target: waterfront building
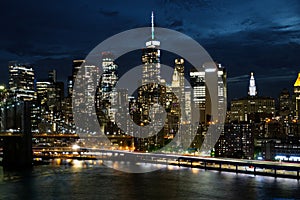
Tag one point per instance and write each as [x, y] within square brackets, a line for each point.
[236, 141]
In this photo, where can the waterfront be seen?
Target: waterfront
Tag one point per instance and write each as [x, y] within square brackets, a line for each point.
[91, 180]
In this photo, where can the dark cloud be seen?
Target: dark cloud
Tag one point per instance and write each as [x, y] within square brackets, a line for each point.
[108, 13]
[176, 23]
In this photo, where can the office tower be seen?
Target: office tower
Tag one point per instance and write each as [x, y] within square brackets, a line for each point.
[52, 76]
[21, 82]
[109, 76]
[67, 106]
[178, 86]
[108, 82]
[285, 103]
[222, 92]
[21, 88]
[45, 91]
[106, 93]
[50, 95]
[202, 98]
[71, 79]
[85, 81]
[197, 79]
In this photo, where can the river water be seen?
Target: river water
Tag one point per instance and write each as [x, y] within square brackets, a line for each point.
[92, 180]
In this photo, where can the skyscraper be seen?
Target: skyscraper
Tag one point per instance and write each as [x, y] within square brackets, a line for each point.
[222, 91]
[21, 82]
[178, 87]
[109, 76]
[151, 94]
[150, 91]
[21, 88]
[86, 78]
[197, 79]
[151, 58]
[106, 92]
[285, 103]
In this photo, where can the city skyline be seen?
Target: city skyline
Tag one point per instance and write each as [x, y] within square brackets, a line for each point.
[161, 99]
[241, 39]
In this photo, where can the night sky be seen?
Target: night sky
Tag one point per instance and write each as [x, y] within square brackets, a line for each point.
[262, 36]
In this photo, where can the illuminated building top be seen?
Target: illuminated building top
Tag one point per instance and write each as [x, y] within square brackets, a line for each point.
[297, 83]
[252, 87]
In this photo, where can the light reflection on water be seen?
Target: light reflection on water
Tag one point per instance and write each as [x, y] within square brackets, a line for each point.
[92, 180]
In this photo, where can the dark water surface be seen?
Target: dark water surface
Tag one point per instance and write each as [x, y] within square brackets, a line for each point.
[83, 180]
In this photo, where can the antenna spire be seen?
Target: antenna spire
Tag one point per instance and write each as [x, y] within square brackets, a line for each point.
[152, 26]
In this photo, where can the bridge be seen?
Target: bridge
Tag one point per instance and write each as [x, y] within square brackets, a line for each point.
[243, 166]
[254, 167]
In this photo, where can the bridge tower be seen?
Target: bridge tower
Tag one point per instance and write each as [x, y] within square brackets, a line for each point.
[17, 150]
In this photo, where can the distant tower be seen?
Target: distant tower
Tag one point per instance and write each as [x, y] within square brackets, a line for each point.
[252, 88]
[178, 75]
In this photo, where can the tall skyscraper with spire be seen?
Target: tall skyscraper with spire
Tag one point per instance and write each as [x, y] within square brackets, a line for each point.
[151, 58]
[252, 88]
[149, 92]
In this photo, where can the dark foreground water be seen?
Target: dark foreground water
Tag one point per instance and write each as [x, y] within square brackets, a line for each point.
[94, 181]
